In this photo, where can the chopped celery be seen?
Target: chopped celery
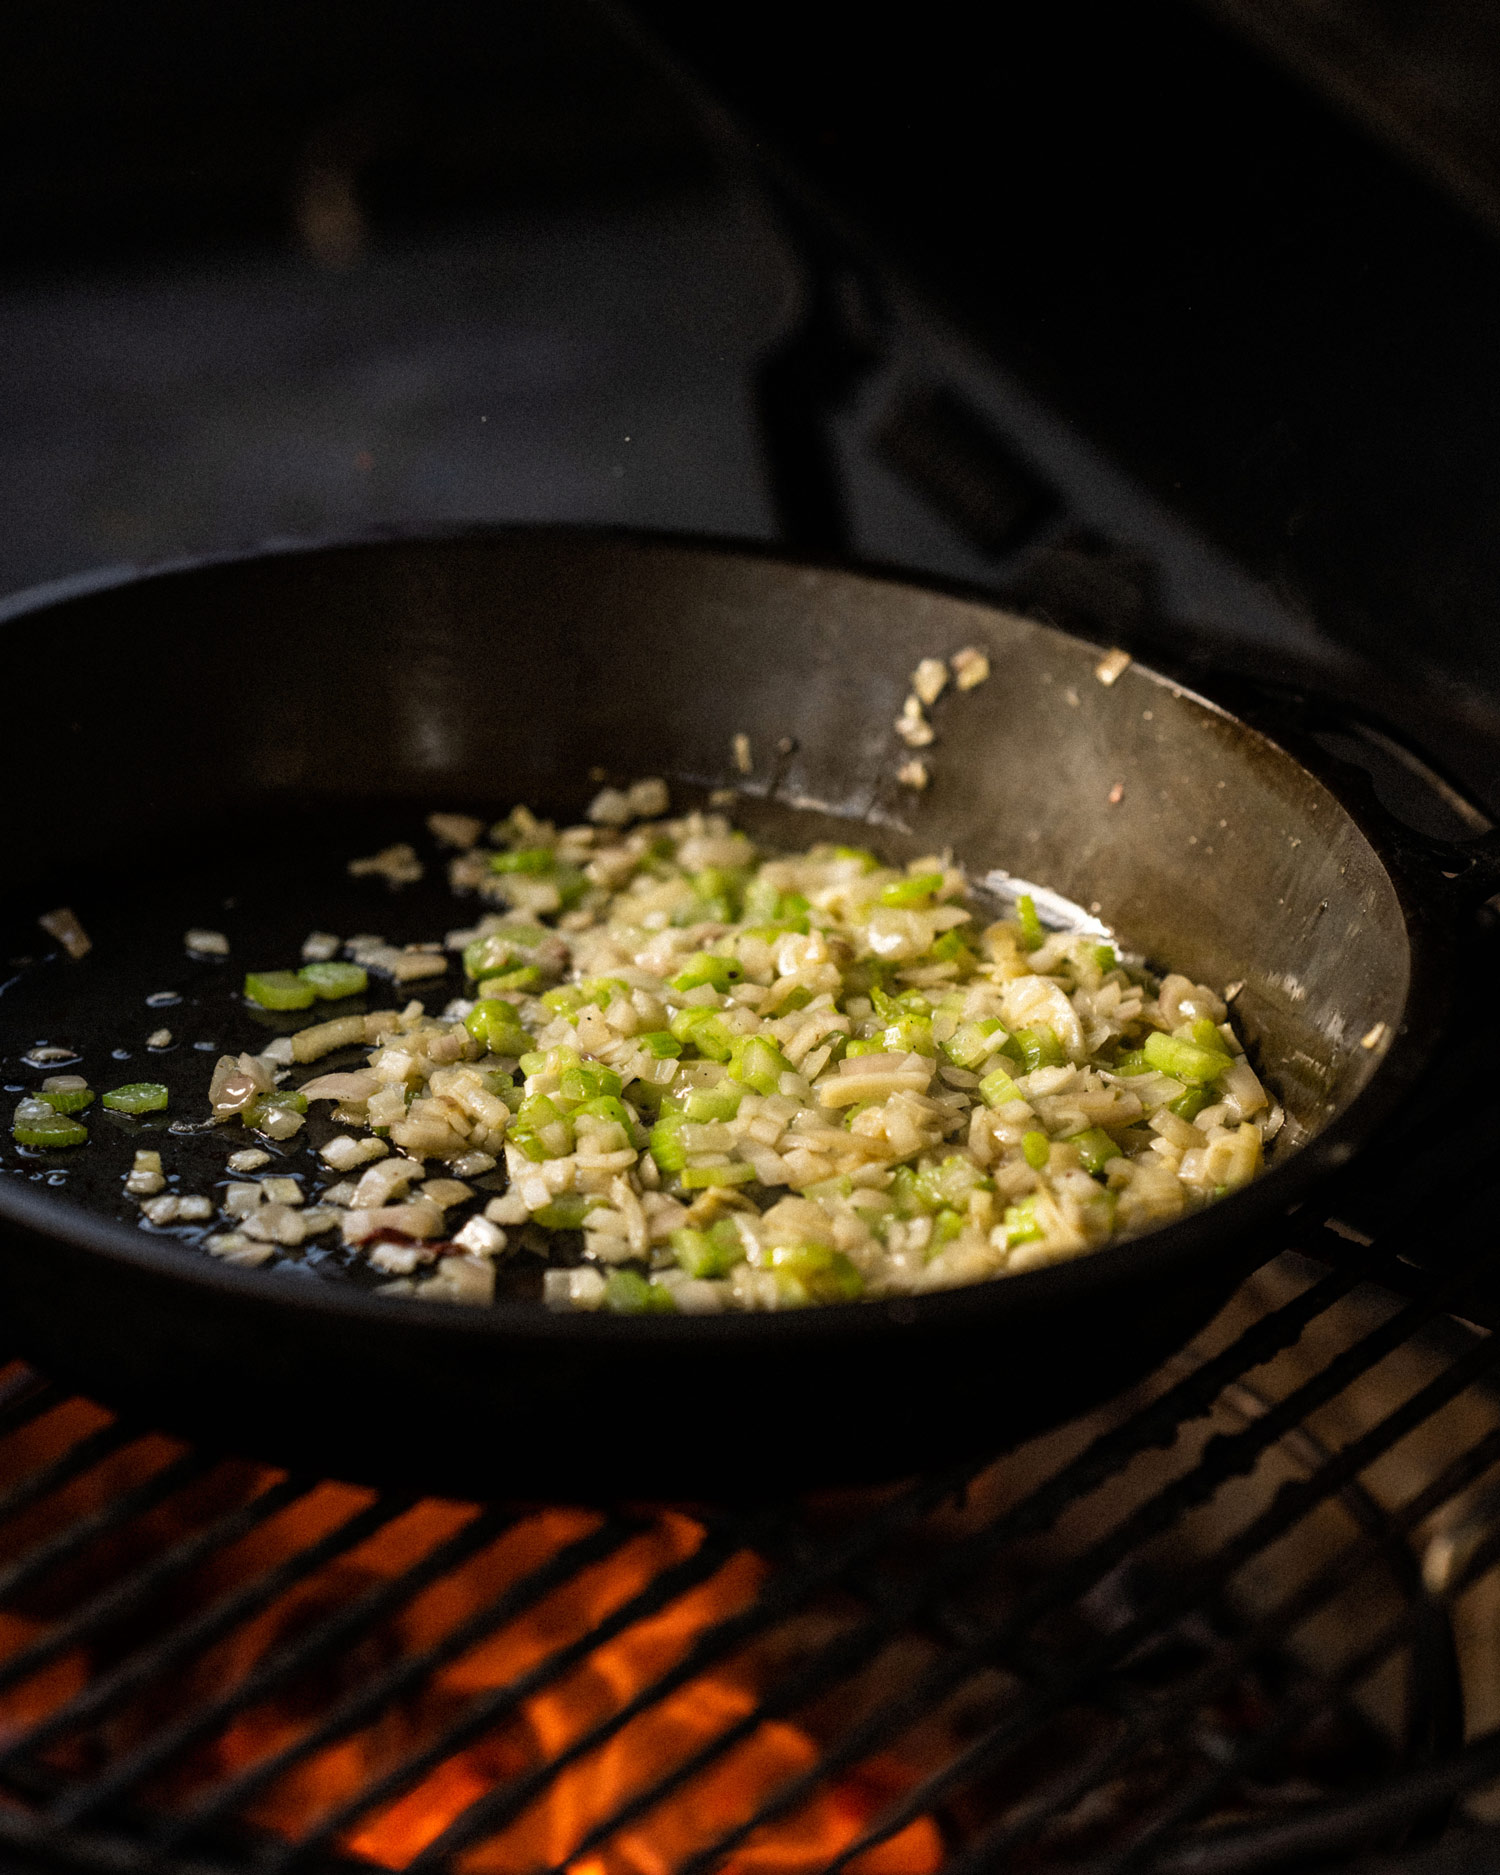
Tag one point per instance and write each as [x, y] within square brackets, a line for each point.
[1037, 1148]
[588, 1080]
[1105, 958]
[627, 1293]
[565, 1001]
[1189, 1104]
[911, 892]
[838, 1187]
[708, 1177]
[717, 972]
[951, 948]
[39, 1125]
[868, 861]
[566, 1212]
[1184, 1061]
[279, 989]
[1095, 1148]
[532, 1062]
[905, 1194]
[705, 1104]
[908, 1035]
[524, 977]
[997, 1087]
[708, 1253]
[1020, 1222]
[823, 1275]
[494, 1022]
[951, 1182]
[973, 1042]
[1033, 935]
[665, 1144]
[704, 1030]
[533, 859]
[608, 1107]
[332, 981]
[1039, 1048]
[137, 1097]
[67, 1099]
[1133, 1061]
[660, 1042]
[947, 1225]
[1204, 1033]
[759, 1063]
[853, 1050]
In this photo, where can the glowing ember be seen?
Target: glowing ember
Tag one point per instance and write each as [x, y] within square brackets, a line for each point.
[552, 1820]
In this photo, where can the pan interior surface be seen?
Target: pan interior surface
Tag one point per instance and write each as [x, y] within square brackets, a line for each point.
[184, 722]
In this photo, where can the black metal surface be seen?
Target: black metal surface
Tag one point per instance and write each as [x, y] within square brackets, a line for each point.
[1183, 823]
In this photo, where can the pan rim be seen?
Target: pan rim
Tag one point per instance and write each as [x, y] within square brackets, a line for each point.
[1204, 1242]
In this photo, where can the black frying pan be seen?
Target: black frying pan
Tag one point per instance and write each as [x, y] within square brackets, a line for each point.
[172, 734]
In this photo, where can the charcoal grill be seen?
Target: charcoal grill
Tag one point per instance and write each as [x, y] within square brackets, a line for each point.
[1242, 1620]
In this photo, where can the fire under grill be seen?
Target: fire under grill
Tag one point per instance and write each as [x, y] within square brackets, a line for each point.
[1242, 1619]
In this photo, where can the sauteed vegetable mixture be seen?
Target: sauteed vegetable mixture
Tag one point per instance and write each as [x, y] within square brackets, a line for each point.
[737, 1080]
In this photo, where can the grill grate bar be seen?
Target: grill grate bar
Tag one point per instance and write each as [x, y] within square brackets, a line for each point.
[57, 1549]
[1105, 1456]
[366, 1701]
[848, 1652]
[284, 1664]
[80, 1457]
[1157, 1716]
[785, 1593]
[1223, 1457]
[1297, 1711]
[133, 1591]
[490, 1708]
[167, 1655]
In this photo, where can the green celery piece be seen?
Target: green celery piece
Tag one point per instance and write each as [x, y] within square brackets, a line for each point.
[909, 1035]
[1040, 1048]
[660, 1042]
[1105, 958]
[973, 1042]
[912, 891]
[137, 1097]
[1033, 935]
[524, 977]
[566, 1212]
[905, 1193]
[532, 1062]
[759, 1063]
[334, 981]
[718, 972]
[1184, 1061]
[952, 948]
[494, 1022]
[1095, 1148]
[709, 1177]
[1020, 1222]
[951, 1182]
[67, 1099]
[627, 1293]
[665, 1144]
[762, 899]
[708, 1253]
[524, 1139]
[1037, 1148]
[1204, 1033]
[997, 1087]
[609, 1107]
[868, 861]
[39, 1125]
[533, 859]
[702, 1029]
[705, 1104]
[947, 1225]
[571, 885]
[1189, 1104]
[839, 1187]
[1133, 1061]
[564, 1001]
[280, 1097]
[824, 1275]
[586, 1082]
[853, 1050]
[279, 989]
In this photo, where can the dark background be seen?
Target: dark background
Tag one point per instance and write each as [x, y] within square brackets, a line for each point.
[1220, 284]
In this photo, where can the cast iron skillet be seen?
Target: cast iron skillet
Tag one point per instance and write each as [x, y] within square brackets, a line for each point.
[500, 666]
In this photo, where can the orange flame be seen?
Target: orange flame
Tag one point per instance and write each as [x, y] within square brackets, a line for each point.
[533, 1732]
